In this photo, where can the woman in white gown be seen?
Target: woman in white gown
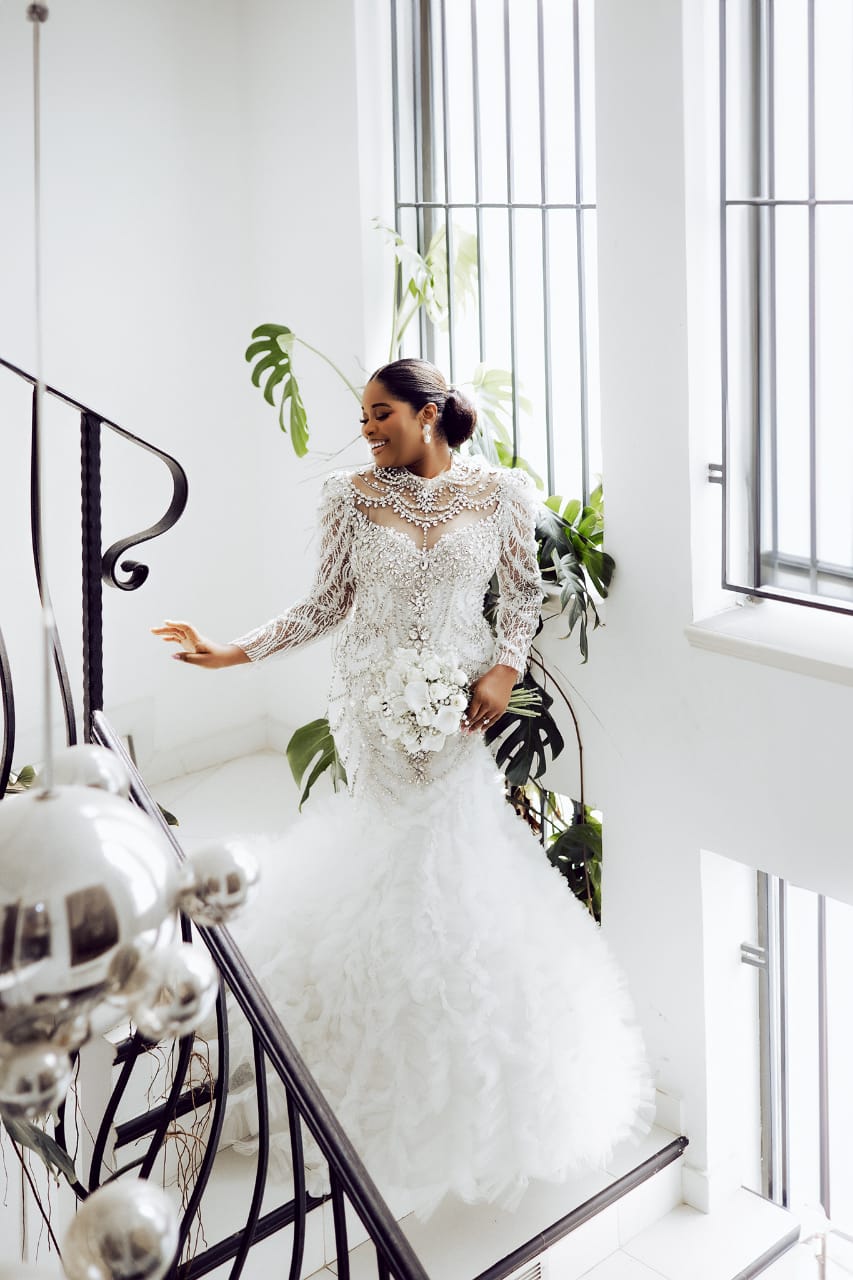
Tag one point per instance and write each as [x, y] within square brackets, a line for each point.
[456, 1004]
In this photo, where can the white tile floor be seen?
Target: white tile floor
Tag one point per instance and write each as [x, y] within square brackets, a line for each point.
[256, 794]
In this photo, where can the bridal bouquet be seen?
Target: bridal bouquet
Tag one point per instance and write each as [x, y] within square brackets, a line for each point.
[423, 701]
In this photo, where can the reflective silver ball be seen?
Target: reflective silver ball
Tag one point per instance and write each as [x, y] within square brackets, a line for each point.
[34, 1079]
[82, 875]
[91, 766]
[218, 880]
[175, 990]
[127, 1230]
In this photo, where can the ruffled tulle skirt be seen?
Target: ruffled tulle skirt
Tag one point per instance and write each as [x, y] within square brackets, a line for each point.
[457, 1006]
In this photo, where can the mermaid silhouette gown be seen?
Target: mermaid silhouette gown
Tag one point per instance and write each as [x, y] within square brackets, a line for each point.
[458, 1007]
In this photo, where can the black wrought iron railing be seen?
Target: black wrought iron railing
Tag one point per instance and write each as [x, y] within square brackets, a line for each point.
[134, 1140]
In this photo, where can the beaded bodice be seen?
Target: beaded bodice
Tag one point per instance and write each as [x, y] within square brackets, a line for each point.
[405, 562]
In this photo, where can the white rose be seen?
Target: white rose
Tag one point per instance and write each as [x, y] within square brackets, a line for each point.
[447, 720]
[425, 717]
[399, 706]
[431, 667]
[459, 677]
[459, 701]
[411, 741]
[438, 691]
[416, 694]
[435, 742]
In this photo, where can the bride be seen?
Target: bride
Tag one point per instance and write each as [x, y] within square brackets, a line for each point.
[458, 1007]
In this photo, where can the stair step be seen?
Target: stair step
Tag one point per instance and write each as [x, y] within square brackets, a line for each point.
[461, 1241]
[737, 1241]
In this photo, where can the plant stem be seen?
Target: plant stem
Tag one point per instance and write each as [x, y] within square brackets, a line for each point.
[332, 365]
[536, 657]
[36, 1197]
[392, 352]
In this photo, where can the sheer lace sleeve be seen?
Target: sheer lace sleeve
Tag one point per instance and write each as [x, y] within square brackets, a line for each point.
[330, 598]
[519, 579]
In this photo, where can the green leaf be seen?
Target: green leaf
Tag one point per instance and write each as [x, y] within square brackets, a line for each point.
[273, 351]
[571, 511]
[46, 1148]
[524, 740]
[504, 453]
[314, 742]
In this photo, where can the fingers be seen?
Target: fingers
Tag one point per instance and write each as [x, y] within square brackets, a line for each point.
[480, 716]
[182, 633]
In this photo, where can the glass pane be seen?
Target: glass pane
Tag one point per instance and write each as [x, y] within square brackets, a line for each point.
[559, 101]
[460, 99]
[530, 337]
[492, 103]
[834, 330]
[833, 99]
[742, 89]
[524, 83]
[406, 147]
[839, 963]
[790, 62]
[792, 382]
[565, 346]
[802, 1064]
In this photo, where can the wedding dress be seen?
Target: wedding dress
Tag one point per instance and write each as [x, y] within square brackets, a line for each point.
[456, 1004]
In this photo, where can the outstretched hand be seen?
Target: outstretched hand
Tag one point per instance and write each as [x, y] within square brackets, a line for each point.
[196, 649]
[490, 697]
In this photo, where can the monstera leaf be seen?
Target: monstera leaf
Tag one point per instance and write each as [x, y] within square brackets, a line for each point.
[571, 556]
[576, 853]
[273, 350]
[314, 742]
[523, 739]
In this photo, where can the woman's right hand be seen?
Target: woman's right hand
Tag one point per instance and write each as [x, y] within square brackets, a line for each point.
[196, 649]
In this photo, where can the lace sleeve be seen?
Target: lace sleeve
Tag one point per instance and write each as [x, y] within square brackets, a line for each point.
[519, 579]
[330, 598]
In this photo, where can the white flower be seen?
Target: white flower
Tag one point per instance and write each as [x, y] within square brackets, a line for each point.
[425, 717]
[439, 691]
[459, 677]
[411, 741]
[435, 742]
[459, 701]
[416, 694]
[447, 720]
[398, 706]
[431, 667]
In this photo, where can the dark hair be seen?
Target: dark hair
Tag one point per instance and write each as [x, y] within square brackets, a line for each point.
[417, 382]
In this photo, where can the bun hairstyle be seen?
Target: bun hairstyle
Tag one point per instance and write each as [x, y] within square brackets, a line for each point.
[417, 382]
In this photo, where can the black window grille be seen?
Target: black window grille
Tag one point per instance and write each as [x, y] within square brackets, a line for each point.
[786, 175]
[493, 161]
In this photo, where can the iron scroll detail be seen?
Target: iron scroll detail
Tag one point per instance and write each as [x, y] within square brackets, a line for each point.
[112, 556]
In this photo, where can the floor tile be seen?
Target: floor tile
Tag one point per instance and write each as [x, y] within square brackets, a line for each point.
[688, 1245]
[621, 1266]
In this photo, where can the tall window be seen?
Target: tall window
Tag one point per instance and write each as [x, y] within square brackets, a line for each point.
[787, 299]
[493, 166]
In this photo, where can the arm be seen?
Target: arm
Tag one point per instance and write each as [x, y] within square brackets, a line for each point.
[520, 604]
[330, 598]
[326, 604]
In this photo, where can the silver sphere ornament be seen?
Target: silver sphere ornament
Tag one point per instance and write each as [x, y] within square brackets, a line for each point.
[127, 1230]
[217, 881]
[83, 874]
[175, 990]
[34, 1079]
[90, 766]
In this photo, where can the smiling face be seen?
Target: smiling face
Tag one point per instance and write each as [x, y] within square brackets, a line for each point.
[393, 429]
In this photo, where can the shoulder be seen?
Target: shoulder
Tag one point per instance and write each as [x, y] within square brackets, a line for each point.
[338, 488]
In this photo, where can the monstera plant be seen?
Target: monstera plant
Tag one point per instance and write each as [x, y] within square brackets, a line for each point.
[570, 534]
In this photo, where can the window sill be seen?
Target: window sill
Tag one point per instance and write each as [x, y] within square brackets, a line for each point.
[807, 641]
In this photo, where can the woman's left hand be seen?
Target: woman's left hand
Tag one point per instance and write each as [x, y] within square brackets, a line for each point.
[489, 698]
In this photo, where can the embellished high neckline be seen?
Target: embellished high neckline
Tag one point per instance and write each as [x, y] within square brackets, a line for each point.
[401, 477]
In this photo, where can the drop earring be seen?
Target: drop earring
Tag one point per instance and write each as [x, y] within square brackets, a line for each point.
[427, 433]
